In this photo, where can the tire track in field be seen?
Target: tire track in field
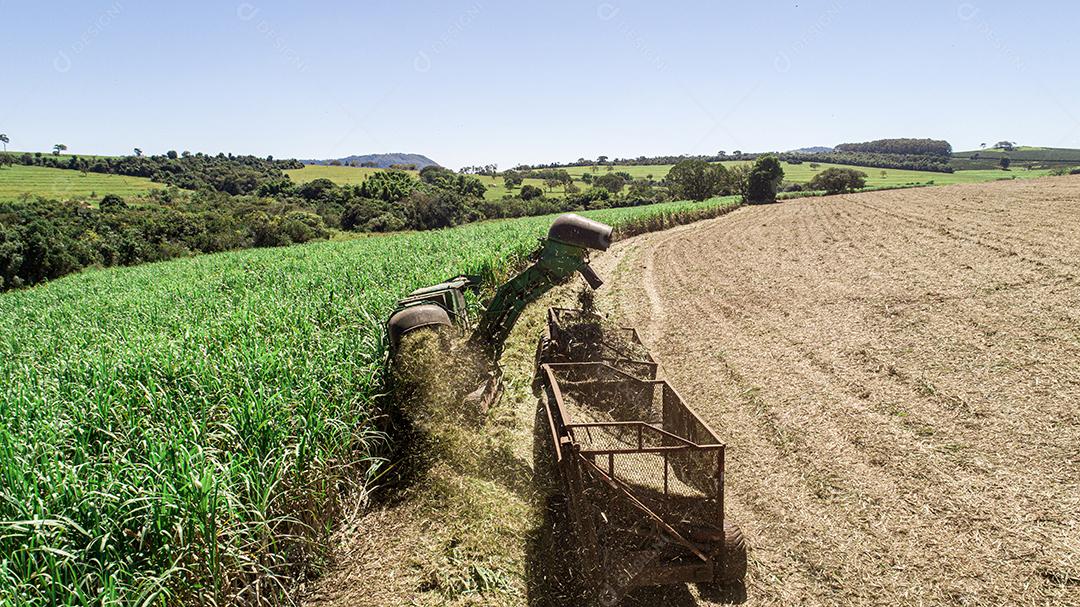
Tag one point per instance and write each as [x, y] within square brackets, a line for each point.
[790, 450]
[844, 496]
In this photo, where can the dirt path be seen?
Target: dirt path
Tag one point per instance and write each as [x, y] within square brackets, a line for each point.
[897, 377]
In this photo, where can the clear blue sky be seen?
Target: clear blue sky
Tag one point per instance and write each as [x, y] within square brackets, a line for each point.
[480, 81]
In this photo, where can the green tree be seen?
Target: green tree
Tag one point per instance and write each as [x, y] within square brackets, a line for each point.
[529, 192]
[57, 148]
[612, 182]
[512, 179]
[4, 139]
[317, 189]
[836, 180]
[764, 180]
[138, 152]
[695, 179]
[1005, 162]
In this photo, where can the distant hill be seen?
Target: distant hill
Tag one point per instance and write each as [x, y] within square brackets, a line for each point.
[815, 149]
[381, 161]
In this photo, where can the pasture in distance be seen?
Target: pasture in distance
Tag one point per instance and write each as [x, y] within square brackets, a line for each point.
[793, 173]
[64, 184]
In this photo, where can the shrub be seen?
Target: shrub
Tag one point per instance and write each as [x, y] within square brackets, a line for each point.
[303, 226]
[837, 181]
[317, 189]
[385, 222]
[112, 202]
[439, 209]
[528, 192]
[1060, 171]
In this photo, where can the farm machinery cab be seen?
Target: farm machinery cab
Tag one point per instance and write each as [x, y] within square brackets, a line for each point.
[564, 252]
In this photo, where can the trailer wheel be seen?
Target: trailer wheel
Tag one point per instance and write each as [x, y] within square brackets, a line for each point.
[732, 566]
[546, 475]
[562, 581]
[547, 351]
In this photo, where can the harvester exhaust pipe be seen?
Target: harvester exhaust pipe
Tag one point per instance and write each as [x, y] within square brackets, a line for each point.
[578, 231]
[573, 229]
[564, 252]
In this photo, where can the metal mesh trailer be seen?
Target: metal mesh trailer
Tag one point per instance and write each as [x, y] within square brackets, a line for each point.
[567, 342]
[642, 477]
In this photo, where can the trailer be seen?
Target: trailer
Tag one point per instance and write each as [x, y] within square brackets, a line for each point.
[575, 335]
[642, 480]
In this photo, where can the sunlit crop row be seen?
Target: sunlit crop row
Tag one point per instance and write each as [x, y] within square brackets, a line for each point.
[174, 432]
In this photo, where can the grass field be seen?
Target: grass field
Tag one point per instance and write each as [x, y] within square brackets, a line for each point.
[18, 180]
[796, 173]
[338, 174]
[184, 430]
[803, 173]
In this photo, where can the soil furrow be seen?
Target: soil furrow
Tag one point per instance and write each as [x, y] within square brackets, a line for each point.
[896, 379]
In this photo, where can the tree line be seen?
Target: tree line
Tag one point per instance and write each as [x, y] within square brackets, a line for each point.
[902, 146]
[227, 202]
[936, 164]
[44, 239]
[222, 173]
[696, 179]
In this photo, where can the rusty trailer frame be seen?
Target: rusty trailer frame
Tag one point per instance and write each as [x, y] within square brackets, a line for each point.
[558, 346]
[643, 480]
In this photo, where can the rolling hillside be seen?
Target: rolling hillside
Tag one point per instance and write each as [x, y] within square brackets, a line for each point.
[1027, 153]
[1021, 156]
[795, 173]
[803, 173]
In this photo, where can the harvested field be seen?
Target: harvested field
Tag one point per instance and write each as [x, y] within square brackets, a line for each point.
[897, 378]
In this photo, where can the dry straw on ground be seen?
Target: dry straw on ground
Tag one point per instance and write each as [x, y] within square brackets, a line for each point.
[896, 377]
